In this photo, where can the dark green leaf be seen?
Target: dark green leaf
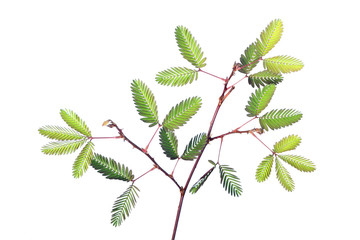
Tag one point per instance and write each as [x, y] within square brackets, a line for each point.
[111, 169]
[193, 149]
[123, 205]
[169, 143]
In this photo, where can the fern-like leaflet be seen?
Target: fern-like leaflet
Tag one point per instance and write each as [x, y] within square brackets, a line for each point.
[176, 76]
[299, 162]
[282, 64]
[201, 181]
[75, 122]
[269, 37]
[111, 169]
[264, 169]
[279, 118]
[264, 78]
[169, 143]
[145, 102]
[287, 143]
[83, 160]
[230, 181]
[61, 133]
[284, 176]
[259, 100]
[193, 149]
[189, 47]
[123, 205]
[248, 59]
[62, 147]
[182, 113]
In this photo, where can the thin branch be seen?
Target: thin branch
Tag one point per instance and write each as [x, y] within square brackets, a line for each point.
[152, 138]
[144, 174]
[258, 130]
[221, 142]
[111, 124]
[262, 142]
[200, 70]
[238, 81]
[172, 173]
[91, 138]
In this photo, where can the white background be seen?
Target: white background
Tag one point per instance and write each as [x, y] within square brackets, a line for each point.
[83, 55]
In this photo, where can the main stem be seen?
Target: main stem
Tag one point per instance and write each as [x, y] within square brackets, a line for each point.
[223, 96]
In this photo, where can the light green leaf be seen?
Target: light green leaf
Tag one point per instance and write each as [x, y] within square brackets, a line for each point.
[193, 149]
[248, 60]
[75, 122]
[145, 102]
[259, 100]
[182, 113]
[299, 162]
[287, 143]
[283, 64]
[176, 76]
[123, 205]
[83, 161]
[61, 133]
[269, 37]
[201, 181]
[279, 118]
[264, 169]
[169, 143]
[62, 147]
[111, 169]
[264, 78]
[189, 48]
[230, 181]
[284, 176]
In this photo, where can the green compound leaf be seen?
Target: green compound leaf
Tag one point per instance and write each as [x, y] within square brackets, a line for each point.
[123, 205]
[247, 60]
[279, 118]
[201, 181]
[83, 161]
[189, 48]
[264, 169]
[269, 37]
[60, 133]
[145, 102]
[182, 113]
[287, 143]
[284, 176]
[62, 147]
[259, 100]
[111, 169]
[283, 64]
[176, 76]
[169, 143]
[299, 162]
[264, 78]
[193, 149]
[75, 122]
[230, 182]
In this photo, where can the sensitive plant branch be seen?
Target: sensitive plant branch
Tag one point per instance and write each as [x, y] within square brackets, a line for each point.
[77, 135]
[183, 191]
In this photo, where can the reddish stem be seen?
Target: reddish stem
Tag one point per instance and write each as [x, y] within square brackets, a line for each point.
[221, 142]
[172, 174]
[91, 138]
[145, 150]
[262, 142]
[144, 174]
[200, 70]
[246, 123]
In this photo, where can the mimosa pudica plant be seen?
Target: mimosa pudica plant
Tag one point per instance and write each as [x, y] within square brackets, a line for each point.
[77, 134]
